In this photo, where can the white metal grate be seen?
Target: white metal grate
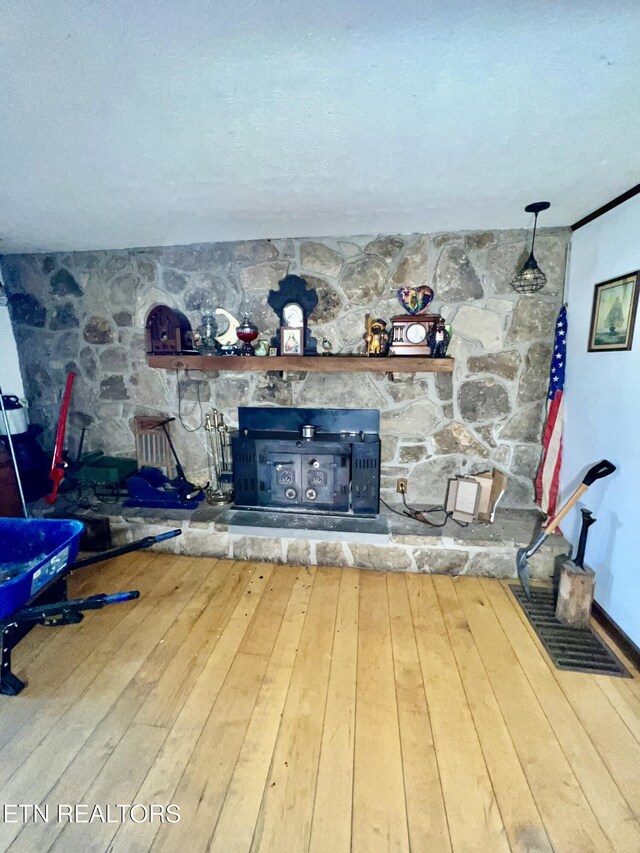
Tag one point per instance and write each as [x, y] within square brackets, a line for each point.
[152, 447]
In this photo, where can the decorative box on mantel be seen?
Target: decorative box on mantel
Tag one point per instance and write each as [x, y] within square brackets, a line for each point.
[167, 332]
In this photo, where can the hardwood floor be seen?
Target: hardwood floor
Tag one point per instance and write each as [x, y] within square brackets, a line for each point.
[289, 709]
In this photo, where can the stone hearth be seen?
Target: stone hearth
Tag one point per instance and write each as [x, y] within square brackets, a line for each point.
[391, 542]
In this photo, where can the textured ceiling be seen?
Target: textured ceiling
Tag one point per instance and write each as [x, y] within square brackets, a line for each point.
[146, 123]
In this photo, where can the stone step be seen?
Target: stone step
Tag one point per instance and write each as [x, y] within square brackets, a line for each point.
[438, 555]
[390, 542]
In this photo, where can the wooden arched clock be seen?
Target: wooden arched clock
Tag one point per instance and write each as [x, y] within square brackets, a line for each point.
[294, 303]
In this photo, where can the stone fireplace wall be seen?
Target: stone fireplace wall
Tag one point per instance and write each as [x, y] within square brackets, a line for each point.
[86, 312]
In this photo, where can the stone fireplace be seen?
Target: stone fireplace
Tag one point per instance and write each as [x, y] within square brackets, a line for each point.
[86, 312]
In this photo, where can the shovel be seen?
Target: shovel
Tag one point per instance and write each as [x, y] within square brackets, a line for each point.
[602, 469]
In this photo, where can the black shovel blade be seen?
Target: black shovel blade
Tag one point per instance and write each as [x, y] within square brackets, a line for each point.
[522, 565]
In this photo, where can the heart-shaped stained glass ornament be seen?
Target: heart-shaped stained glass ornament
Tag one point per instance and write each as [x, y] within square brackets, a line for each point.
[415, 300]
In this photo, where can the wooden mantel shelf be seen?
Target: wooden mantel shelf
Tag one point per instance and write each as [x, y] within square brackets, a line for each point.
[316, 364]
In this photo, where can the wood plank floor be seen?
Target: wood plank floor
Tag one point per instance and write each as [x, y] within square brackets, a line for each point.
[289, 709]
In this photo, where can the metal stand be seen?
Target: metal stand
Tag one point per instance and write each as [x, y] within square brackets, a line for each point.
[13, 455]
[587, 521]
[13, 631]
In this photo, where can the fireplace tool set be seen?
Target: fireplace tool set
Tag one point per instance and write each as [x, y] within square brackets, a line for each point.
[219, 489]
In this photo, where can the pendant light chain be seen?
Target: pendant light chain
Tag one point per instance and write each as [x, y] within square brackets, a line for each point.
[535, 225]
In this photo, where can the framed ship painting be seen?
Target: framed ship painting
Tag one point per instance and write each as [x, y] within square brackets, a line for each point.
[614, 313]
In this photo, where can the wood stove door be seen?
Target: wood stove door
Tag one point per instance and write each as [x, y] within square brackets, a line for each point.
[325, 481]
[310, 482]
[284, 486]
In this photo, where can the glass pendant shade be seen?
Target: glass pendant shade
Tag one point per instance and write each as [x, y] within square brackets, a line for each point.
[531, 279]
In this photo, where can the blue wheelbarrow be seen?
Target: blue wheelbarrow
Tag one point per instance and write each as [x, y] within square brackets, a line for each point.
[36, 558]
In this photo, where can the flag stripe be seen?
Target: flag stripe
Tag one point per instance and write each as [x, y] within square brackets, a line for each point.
[548, 479]
[553, 444]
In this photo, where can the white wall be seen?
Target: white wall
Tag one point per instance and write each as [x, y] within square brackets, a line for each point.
[602, 417]
[10, 379]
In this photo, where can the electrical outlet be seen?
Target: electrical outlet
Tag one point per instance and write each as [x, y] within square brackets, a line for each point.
[401, 485]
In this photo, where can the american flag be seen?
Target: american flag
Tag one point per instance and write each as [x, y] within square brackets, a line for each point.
[548, 479]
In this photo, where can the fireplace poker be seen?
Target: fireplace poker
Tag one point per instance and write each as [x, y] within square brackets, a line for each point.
[597, 472]
[210, 425]
[223, 431]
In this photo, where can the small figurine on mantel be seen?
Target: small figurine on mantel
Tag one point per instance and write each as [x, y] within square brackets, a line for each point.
[438, 339]
[227, 339]
[376, 337]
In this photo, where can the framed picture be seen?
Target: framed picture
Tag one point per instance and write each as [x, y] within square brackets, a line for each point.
[614, 313]
[273, 351]
[291, 340]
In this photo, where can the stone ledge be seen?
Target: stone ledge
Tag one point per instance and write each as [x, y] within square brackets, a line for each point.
[480, 549]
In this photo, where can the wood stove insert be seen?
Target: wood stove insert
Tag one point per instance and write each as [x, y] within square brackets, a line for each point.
[321, 461]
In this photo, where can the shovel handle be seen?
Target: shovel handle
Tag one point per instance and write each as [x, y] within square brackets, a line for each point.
[602, 469]
[573, 500]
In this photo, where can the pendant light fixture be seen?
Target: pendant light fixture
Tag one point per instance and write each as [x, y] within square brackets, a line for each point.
[530, 279]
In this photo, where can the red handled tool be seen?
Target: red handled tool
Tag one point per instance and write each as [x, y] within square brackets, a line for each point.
[58, 465]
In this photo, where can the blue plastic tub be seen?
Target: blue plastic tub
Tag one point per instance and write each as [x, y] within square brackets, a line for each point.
[32, 552]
